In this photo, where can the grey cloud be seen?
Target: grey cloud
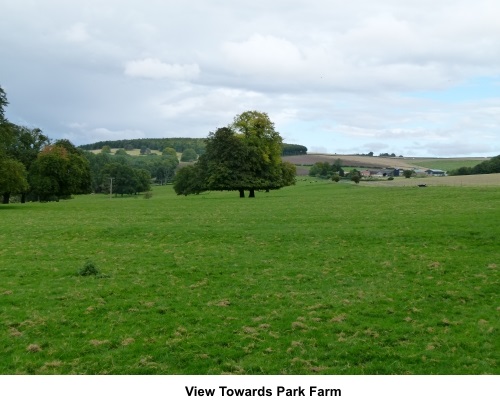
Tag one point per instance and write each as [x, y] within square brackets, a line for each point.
[336, 74]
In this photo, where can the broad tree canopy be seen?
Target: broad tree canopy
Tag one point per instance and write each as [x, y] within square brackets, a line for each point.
[60, 170]
[246, 155]
[12, 178]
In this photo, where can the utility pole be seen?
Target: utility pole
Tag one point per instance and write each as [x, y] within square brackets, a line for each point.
[111, 188]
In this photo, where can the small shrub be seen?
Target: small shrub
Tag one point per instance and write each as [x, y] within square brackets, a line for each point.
[390, 178]
[88, 269]
[408, 173]
[148, 195]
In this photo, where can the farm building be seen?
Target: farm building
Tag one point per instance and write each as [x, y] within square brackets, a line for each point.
[432, 172]
[388, 172]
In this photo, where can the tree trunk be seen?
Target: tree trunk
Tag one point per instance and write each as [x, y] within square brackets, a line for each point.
[252, 193]
[242, 193]
[23, 198]
[6, 198]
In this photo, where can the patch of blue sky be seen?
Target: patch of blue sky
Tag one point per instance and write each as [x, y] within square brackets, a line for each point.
[478, 88]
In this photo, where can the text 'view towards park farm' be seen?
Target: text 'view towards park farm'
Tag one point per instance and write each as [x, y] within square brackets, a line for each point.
[264, 201]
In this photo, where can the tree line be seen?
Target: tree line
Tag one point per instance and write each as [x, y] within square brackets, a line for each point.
[130, 174]
[146, 145]
[326, 170]
[488, 166]
[178, 144]
[33, 167]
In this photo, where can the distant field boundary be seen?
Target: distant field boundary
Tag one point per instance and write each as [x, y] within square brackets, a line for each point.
[382, 162]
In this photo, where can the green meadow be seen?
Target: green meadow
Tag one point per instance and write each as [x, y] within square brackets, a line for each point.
[319, 278]
[447, 164]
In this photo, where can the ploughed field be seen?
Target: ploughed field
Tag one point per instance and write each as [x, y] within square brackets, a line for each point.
[319, 278]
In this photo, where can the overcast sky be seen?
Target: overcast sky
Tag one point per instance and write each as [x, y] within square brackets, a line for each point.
[416, 78]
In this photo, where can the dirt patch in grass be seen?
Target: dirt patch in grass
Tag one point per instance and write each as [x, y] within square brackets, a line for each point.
[95, 342]
[33, 348]
[14, 332]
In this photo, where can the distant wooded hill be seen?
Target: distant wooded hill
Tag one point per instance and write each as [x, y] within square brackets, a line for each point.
[179, 144]
[487, 167]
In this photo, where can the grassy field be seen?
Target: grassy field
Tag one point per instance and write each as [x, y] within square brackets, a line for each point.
[447, 164]
[320, 278]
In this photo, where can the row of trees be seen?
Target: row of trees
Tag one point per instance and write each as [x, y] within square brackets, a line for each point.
[180, 145]
[129, 172]
[488, 166]
[292, 149]
[144, 144]
[326, 170]
[245, 155]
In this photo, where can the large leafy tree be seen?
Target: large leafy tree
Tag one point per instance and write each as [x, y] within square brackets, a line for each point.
[188, 180]
[97, 161]
[164, 170]
[59, 171]
[3, 103]
[12, 172]
[222, 166]
[12, 178]
[27, 144]
[125, 179]
[243, 156]
[5, 127]
[189, 155]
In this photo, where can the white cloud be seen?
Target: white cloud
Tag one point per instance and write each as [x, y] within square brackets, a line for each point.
[218, 105]
[334, 74]
[151, 68]
[263, 54]
[77, 33]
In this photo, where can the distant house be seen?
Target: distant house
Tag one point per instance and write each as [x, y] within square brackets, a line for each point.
[383, 173]
[432, 172]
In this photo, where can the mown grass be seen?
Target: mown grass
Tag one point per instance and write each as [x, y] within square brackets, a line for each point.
[320, 278]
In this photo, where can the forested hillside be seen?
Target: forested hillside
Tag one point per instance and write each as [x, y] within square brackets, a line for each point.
[179, 144]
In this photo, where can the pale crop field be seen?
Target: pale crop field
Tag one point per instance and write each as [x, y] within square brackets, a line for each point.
[477, 180]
